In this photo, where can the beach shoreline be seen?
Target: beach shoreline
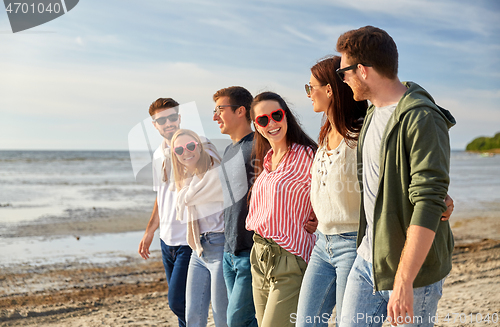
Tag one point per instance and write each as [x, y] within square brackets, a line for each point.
[133, 292]
[99, 222]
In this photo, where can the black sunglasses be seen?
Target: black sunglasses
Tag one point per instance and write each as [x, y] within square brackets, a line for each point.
[191, 146]
[163, 120]
[277, 116]
[341, 72]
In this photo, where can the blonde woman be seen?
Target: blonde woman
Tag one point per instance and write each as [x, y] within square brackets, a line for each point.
[200, 204]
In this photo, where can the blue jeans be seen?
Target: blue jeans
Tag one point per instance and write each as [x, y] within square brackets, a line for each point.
[176, 261]
[364, 307]
[205, 282]
[238, 277]
[325, 279]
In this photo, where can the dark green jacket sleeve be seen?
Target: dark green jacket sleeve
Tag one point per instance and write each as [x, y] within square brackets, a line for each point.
[427, 142]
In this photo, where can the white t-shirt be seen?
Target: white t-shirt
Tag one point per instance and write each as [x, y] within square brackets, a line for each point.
[371, 172]
[172, 231]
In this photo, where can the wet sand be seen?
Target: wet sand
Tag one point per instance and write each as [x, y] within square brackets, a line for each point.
[98, 221]
[134, 292]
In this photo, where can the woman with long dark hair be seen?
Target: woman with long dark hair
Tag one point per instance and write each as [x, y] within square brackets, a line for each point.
[335, 194]
[280, 209]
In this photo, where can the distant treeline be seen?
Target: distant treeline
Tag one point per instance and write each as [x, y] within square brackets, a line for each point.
[484, 143]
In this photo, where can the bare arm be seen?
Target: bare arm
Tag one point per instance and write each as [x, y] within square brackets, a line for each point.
[418, 243]
[154, 223]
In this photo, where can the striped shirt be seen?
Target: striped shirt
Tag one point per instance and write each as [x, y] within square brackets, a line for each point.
[280, 204]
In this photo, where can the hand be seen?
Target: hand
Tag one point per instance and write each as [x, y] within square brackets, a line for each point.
[144, 245]
[311, 224]
[401, 303]
[449, 203]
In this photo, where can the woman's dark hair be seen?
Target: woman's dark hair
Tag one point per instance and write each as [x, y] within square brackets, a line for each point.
[345, 114]
[294, 133]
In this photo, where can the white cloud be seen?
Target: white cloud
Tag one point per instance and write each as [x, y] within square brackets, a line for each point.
[109, 100]
[452, 15]
[296, 33]
[102, 72]
[476, 111]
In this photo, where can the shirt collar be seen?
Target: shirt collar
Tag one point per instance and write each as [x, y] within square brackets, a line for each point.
[267, 158]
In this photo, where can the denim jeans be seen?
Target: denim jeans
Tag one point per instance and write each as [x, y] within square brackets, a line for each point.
[176, 262]
[238, 277]
[364, 307]
[205, 282]
[325, 279]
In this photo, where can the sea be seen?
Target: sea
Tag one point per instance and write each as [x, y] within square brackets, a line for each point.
[38, 186]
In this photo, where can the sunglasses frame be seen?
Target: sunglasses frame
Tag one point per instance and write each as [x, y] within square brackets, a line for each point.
[269, 117]
[218, 108]
[167, 117]
[185, 147]
[341, 72]
[309, 88]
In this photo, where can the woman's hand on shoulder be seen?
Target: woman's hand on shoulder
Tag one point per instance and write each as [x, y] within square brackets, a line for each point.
[450, 206]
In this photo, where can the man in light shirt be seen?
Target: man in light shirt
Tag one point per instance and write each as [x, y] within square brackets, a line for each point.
[404, 247]
[174, 248]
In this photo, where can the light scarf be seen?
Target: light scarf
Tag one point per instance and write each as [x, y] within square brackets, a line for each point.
[199, 191]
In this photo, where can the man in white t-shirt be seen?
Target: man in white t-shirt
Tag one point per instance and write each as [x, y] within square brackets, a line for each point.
[404, 244]
[174, 248]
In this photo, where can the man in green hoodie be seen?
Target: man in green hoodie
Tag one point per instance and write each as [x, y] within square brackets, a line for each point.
[404, 248]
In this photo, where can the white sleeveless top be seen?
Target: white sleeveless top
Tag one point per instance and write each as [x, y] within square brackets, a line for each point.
[335, 193]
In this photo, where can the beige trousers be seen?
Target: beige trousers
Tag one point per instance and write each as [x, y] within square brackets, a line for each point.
[276, 278]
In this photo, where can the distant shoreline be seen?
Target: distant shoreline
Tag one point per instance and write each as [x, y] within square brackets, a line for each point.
[494, 151]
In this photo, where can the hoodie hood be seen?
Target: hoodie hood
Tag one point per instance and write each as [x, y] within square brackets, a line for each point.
[417, 96]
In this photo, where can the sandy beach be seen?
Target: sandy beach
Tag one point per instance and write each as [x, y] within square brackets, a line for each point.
[134, 292]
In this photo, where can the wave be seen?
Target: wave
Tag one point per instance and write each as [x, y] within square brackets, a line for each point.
[9, 156]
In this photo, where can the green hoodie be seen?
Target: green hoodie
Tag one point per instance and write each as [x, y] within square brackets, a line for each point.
[413, 182]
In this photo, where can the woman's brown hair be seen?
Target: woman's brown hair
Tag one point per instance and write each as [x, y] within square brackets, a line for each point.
[343, 113]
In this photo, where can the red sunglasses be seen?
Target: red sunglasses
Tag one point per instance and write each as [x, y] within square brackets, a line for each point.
[277, 116]
[190, 146]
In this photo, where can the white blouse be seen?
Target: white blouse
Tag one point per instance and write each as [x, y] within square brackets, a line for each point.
[335, 193]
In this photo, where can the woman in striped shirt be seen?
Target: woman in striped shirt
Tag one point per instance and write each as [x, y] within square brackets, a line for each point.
[280, 210]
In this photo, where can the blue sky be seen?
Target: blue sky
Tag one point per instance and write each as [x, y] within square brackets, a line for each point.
[84, 80]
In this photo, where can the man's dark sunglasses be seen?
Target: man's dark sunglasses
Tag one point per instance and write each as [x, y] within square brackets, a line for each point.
[277, 116]
[191, 146]
[162, 120]
[341, 72]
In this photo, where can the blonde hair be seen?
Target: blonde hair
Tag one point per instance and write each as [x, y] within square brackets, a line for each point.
[180, 171]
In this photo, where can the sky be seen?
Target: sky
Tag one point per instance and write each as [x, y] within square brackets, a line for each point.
[85, 79]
